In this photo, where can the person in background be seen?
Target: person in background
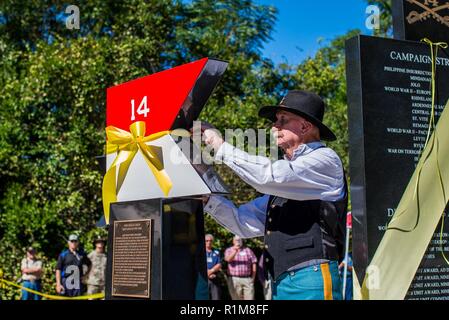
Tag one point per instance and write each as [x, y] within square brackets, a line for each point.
[242, 266]
[97, 275]
[70, 269]
[264, 279]
[349, 283]
[213, 268]
[32, 271]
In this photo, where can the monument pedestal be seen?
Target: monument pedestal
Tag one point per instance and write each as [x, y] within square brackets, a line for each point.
[389, 105]
[157, 245]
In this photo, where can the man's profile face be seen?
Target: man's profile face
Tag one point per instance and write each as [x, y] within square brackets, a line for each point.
[73, 244]
[289, 129]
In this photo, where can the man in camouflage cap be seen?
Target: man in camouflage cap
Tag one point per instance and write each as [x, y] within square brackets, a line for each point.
[96, 277]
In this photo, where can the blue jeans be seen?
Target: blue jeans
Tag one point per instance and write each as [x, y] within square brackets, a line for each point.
[36, 286]
[348, 293]
[319, 282]
[72, 292]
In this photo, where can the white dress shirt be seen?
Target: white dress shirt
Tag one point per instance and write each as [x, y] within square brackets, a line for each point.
[314, 172]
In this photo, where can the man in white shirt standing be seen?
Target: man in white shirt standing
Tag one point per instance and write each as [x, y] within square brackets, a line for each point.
[32, 271]
[303, 211]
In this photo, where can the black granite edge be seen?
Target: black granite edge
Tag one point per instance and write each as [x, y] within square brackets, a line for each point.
[398, 20]
[160, 290]
[165, 250]
[207, 79]
[356, 149]
[404, 41]
[204, 78]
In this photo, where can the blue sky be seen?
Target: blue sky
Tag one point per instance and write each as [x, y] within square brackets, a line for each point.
[301, 23]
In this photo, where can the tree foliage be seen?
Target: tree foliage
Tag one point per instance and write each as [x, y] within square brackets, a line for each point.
[386, 17]
[52, 102]
[53, 83]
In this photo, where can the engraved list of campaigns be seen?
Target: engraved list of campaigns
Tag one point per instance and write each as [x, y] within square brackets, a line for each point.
[415, 84]
[408, 77]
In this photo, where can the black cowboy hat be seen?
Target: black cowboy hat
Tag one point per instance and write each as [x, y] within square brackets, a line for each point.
[305, 104]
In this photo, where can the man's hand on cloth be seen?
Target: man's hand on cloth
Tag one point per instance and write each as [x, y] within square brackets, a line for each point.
[211, 136]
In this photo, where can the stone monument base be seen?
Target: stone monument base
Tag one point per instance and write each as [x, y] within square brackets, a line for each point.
[156, 250]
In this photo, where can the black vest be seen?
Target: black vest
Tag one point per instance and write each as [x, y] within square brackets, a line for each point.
[300, 231]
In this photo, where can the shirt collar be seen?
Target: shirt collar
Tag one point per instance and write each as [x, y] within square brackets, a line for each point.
[305, 149]
[76, 252]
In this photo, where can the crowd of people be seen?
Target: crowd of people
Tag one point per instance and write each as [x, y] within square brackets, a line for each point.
[243, 268]
[76, 272]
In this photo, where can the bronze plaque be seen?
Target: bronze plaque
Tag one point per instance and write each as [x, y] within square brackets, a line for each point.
[131, 259]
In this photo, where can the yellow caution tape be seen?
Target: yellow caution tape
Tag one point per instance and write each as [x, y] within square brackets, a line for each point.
[53, 297]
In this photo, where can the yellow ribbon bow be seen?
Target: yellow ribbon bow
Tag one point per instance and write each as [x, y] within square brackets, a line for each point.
[126, 145]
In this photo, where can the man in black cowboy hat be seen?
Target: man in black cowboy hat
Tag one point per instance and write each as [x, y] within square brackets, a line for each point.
[302, 214]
